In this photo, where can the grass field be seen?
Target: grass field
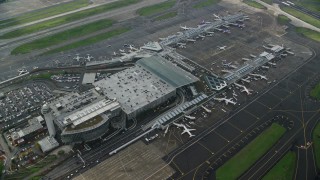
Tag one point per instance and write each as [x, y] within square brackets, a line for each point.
[166, 16]
[284, 169]
[316, 143]
[315, 92]
[24, 172]
[43, 13]
[89, 41]
[245, 158]
[302, 16]
[157, 8]
[309, 33]
[62, 36]
[205, 3]
[282, 19]
[313, 5]
[268, 1]
[254, 4]
[67, 19]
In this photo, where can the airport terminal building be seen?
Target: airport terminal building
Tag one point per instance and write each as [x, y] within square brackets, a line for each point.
[81, 117]
[148, 84]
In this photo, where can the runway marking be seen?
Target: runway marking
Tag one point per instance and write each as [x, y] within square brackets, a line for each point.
[275, 96]
[221, 136]
[263, 104]
[234, 126]
[177, 167]
[251, 114]
[205, 147]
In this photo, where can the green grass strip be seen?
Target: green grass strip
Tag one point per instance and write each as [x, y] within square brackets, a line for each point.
[309, 33]
[284, 169]
[166, 16]
[62, 36]
[205, 3]
[282, 19]
[245, 158]
[67, 19]
[268, 1]
[44, 13]
[315, 92]
[157, 8]
[89, 41]
[313, 5]
[316, 143]
[302, 16]
[254, 4]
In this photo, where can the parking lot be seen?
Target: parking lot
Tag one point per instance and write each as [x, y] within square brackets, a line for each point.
[20, 103]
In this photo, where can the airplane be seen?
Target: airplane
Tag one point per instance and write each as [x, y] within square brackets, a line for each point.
[245, 59]
[285, 3]
[226, 31]
[217, 18]
[77, 57]
[272, 64]
[209, 35]
[265, 67]
[253, 56]
[271, 45]
[89, 57]
[289, 52]
[284, 55]
[189, 117]
[259, 75]
[226, 26]
[185, 27]
[289, 2]
[121, 50]
[22, 71]
[202, 36]
[166, 131]
[266, 47]
[132, 48]
[187, 130]
[162, 39]
[181, 44]
[191, 40]
[205, 22]
[222, 47]
[244, 89]
[206, 109]
[245, 80]
[227, 101]
[115, 54]
[218, 29]
[226, 71]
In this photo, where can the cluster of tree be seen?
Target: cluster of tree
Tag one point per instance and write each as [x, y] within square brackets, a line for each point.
[1, 1]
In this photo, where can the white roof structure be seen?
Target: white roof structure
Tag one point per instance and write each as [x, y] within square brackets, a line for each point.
[48, 143]
[90, 111]
[277, 48]
[88, 78]
[154, 46]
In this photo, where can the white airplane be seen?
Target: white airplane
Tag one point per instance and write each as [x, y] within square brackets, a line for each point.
[205, 22]
[271, 45]
[191, 40]
[22, 71]
[190, 117]
[166, 131]
[246, 59]
[181, 44]
[88, 58]
[226, 31]
[115, 54]
[227, 101]
[222, 47]
[289, 52]
[206, 109]
[272, 64]
[218, 29]
[244, 88]
[268, 48]
[185, 27]
[284, 55]
[226, 71]
[217, 18]
[77, 58]
[259, 75]
[265, 67]
[132, 48]
[187, 130]
[253, 56]
[285, 3]
[210, 32]
[162, 39]
[122, 51]
[202, 36]
[245, 80]
[289, 2]
[226, 26]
